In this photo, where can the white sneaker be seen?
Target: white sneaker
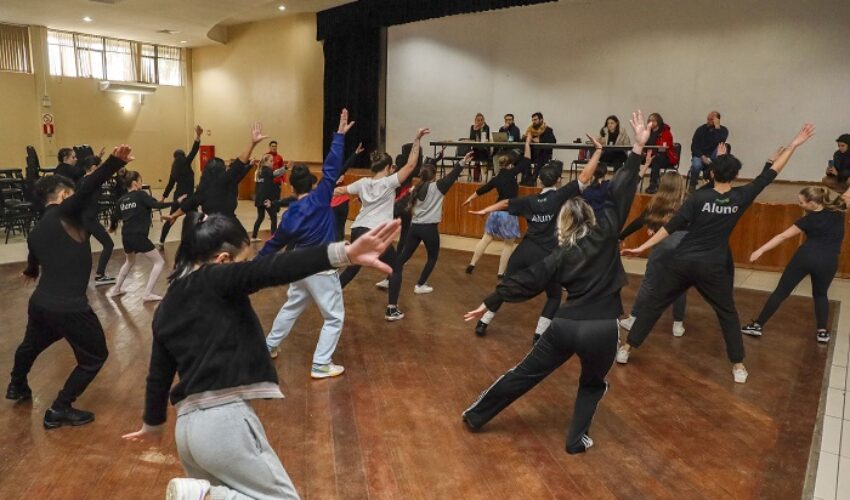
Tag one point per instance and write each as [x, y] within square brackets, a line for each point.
[626, 324]
[622, 355]
[740, 375]
[184, 488]
[151, 298]
[326, 371]
[678, 328]
[420, 289]
[384, 284]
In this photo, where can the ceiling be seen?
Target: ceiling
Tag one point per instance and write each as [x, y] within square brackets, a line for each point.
[197, 22]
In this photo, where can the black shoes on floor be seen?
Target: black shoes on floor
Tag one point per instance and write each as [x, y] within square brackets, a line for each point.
[17, 392]
[481, 328]
[469, 269]
[53, 418]
[752, 328]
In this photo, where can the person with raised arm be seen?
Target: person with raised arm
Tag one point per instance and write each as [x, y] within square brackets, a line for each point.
[377, 195]
[60, 258]
[541, 213]
[181, 180]
[587, 264]
[700, 261]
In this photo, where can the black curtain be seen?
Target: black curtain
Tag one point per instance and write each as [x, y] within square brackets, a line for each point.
[352, 78]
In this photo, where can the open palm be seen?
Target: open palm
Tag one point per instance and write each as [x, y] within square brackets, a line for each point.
[639, 127]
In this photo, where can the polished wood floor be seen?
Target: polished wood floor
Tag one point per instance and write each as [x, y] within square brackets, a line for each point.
[673, 424]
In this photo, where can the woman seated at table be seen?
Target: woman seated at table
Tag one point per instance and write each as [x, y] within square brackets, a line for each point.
[479, 131]
[611, 135]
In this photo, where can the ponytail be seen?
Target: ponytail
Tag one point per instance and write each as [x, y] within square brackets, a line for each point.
[426, 177]
[821, 196]
[379, 161]
[203, 237]
[128, 177]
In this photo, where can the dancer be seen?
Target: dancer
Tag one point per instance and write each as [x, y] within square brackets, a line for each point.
[587, 264]
[310, 222]
[541, 214]
[665, 203]
[500, 224]
[340, 203]
[426, 205]
[218, 191]
[207, 333]
[181, 179]
[136, 207]
[817, 257]
[266, 190]
[700, 261]
[60, 252]
[377, 195]
[93, 226]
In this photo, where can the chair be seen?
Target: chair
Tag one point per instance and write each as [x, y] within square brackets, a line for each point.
[460, 152]
[705, 169]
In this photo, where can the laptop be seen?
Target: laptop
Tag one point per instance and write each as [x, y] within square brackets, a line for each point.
[499, 136]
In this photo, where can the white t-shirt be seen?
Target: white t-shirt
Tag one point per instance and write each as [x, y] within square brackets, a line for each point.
[377, 197]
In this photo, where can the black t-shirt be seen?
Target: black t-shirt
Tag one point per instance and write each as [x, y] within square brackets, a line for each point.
[710, 218]
[824, 230]
[136, 209]
[505, 181]
[541, 212]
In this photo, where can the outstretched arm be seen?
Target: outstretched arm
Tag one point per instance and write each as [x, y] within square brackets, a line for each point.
[90, 184]
[448, 181]
[585, 177]
[496, 207]
[657, 238]
[413, 157]
[625, 180]
[195, 146]
[774, 242]
[332, 168]
[802, 136]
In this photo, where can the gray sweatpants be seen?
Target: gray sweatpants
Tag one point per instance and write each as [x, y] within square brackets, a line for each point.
[227, 446]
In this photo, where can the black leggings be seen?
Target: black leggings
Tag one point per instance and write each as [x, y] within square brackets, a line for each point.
[595, 343]
[83, 332]
[655, 267]
[261, 215]
[527, 254]
[341, 215]
[658, 162]
[167, 227]
[713, 282]
[430, 235]
[389, 257]
[96, 229]
[821, 266]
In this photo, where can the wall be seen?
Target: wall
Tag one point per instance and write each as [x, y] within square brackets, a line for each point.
[766, 66]
[19, 119]
[269, 71]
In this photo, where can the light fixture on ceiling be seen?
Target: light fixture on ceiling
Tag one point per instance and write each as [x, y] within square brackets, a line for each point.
[88, 19]
[281, 7]
[184, 41]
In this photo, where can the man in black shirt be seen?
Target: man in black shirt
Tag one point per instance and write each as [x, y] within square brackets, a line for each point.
[704, 146]
[510, 128]
[60, 253]
[710, 216]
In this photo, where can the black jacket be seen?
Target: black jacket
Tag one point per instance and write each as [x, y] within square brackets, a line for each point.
[73, 172]
[706, 138]
[266, 189]
[219, 195]
[183, 175]
[513, 132]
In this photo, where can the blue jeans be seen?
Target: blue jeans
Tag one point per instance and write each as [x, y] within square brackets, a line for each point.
[697, 167]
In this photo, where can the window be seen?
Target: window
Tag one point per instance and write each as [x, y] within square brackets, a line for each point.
[15, 48]
[90, 56]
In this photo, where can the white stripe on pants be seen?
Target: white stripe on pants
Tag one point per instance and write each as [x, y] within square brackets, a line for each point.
[227, 446]
[326, 292]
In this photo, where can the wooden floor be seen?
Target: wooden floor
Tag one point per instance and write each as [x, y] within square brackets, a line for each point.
[673, 424]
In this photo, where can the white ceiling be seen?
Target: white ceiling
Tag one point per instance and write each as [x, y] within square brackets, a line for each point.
[141, 19]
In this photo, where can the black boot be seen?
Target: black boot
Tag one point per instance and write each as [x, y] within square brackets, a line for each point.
[481, 328]
[18, 392]
[54, 418]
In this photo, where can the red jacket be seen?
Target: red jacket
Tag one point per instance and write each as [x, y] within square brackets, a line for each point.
[665, 138]
[278, 162]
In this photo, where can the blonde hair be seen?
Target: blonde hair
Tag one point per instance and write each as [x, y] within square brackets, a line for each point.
[574, 222]
[821, 196]
[668, 199]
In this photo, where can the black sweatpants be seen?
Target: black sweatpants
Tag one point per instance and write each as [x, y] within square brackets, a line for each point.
[341, 215]
[83, 332]
[389, 257]
[96, 229]
[527, 254]
[713, 282]
[167, 227]
[430, 235]
[595, 343]
[261, 215]
[655, 267]
[821, 266]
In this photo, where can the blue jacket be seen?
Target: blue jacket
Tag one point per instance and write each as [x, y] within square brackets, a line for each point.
[310, 221]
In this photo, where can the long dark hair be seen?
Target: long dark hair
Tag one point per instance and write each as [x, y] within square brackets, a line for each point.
[380, 161]
[604, 129]
[128, 177]
[203, 237]
[179, 159]
[426, 176]
[659, 120]
[214, 170]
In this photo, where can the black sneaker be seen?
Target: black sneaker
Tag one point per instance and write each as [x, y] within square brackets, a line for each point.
[103, 280]
[582, 446]
[468, 420]
[469, 269]
[480, 328]
[823, 338]
[752, 328]
[393, 314]
[18, 392]
[500, 276]
[54, 418]
[535, 339]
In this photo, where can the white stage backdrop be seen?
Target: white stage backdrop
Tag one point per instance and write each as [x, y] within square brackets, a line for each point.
[766, 66]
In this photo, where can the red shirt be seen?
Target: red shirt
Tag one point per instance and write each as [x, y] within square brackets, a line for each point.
[278, 163]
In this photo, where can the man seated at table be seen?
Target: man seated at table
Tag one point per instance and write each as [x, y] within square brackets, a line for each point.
[704, 146]
[540, 133]
[513, 134]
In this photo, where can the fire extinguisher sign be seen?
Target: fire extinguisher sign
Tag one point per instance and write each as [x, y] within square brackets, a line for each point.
[47, 125]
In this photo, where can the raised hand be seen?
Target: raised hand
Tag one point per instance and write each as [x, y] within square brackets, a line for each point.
[772, 158]
[344, 125]
[360, 148]
[422, 132]
[803, 135]
[198, 131]
[102, 152]
[123, 153]
[257, 133]
[640, 128]
[367, 250]
[722, 149]
[475, 313]
[595, 141]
